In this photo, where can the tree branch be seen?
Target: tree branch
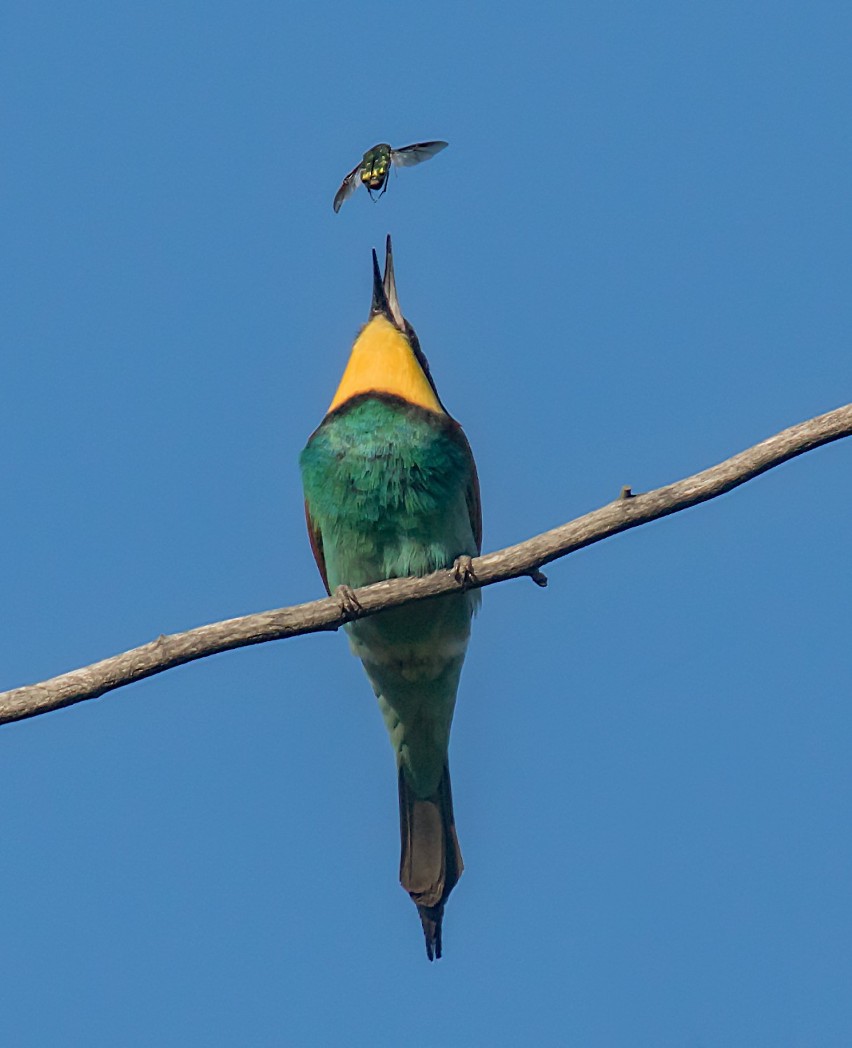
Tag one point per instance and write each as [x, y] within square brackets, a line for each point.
[526, 558]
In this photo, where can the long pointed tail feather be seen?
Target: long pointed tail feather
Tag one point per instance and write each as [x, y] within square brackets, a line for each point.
[430, 861]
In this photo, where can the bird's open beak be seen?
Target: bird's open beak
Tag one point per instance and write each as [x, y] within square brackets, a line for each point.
[385, 300]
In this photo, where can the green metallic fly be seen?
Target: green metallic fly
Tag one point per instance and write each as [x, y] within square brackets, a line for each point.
[374, 168]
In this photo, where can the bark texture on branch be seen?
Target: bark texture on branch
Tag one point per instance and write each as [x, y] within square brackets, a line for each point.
[525, 558]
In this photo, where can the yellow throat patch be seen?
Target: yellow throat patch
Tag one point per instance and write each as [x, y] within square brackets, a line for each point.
[382, 361]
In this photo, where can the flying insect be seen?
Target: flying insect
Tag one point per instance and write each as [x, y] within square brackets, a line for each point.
[375, 165]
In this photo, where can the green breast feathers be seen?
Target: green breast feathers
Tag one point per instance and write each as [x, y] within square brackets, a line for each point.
[389, 490]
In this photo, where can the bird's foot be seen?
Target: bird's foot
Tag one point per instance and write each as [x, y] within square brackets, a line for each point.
[463, 571]
[348, 603]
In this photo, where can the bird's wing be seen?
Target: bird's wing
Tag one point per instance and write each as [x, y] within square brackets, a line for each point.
[347, 187]
[417, 153]
[474, 508]
[315, 535]
[471, 495]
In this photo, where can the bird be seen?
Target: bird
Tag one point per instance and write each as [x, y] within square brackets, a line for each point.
[374, 167]
[391, 490]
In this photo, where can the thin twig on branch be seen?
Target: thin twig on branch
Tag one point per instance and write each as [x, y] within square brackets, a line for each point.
[628, 511]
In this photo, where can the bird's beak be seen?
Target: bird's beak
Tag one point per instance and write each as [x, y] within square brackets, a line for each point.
[385, 301]
[390, 287]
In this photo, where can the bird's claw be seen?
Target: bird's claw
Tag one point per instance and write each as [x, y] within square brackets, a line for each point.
[463, 571]
[348, 603]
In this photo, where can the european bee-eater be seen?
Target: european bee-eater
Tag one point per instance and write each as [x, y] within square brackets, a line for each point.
[390, 491]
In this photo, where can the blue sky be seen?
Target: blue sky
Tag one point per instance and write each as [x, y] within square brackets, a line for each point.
[632, 262]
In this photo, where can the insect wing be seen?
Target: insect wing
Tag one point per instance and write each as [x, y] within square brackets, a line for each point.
[408, 156]
[347, 188]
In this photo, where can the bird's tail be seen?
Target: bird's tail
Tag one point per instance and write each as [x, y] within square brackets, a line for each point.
[430, 862]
